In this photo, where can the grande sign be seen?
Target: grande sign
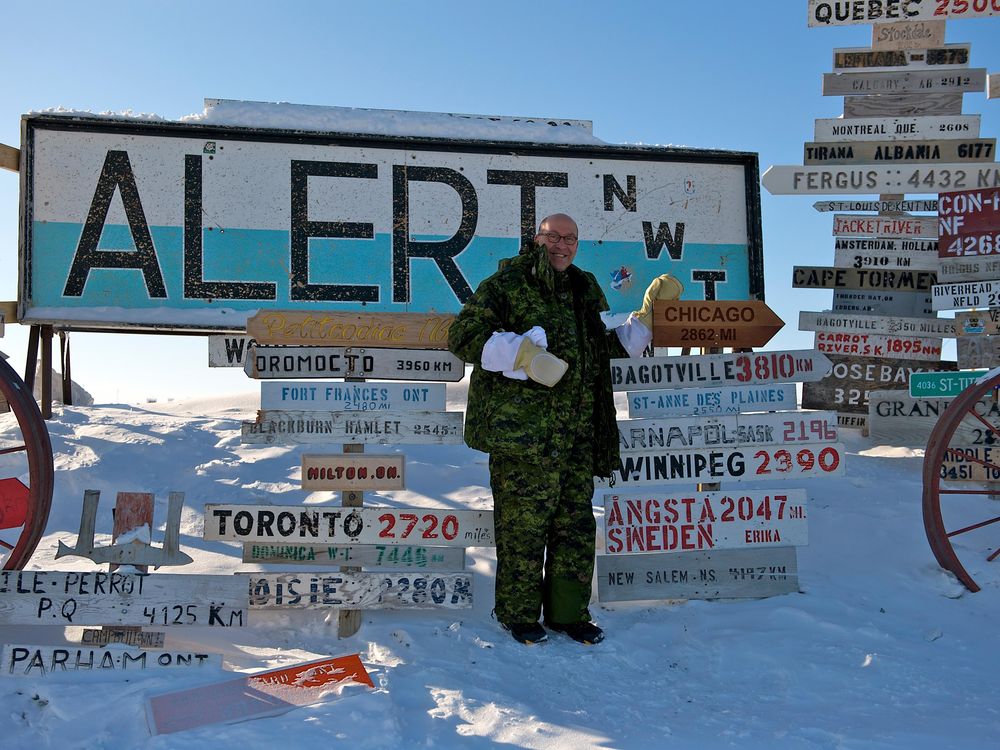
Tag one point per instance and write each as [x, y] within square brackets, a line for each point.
[852, 378]
[846, 12]
[115, 233]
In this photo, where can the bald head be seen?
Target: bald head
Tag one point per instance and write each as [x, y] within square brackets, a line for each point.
[558, 233]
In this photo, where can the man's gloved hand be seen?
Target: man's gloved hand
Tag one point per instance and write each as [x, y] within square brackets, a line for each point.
[538, 364]
[663, 286]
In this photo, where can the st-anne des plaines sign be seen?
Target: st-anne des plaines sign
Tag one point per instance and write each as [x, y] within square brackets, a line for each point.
[141, 225]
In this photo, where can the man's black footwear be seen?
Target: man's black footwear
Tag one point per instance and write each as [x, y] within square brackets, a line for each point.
[526, 632]
[584, 632]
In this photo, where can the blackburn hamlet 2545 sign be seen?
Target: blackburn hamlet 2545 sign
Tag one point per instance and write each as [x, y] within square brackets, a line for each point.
[114, 232]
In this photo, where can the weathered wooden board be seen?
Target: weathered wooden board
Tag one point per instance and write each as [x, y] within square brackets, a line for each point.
[901, 35]
[740, 324]
[381, 428]
[97, 598]
[229, 351]
[993, 86]
[737, 399]
[726, 430]
[410, 590]
[283, 362]
[962, 294]
[894, 129]
[366, 396]
[876, 324]
[347, 329]
[853, 422]
[881, 206]
[971, 463]
[896, 418]
[124, 636]
[969, 268]
[291, 524]
[899, 304]
[942, 384]
[909, 178]
[978, 323]
[905, 259]
[358, 555]
[10, 158]
[354, 471]
[846, 388]
[892, 279]
[885, 244]
[969, 244]
[759, 464]
[944, 104]
[888, 226]
[879, 345]
[719, 574]
[946, 57]
[825, 13]
[38, 661]
[654, 373]
[662, 522]
[910, 152]
[254, 696]
[978, 352]
[969, 211]
[969, 80]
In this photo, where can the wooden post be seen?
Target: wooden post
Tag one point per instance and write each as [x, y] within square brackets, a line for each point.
[67, 380]
[711, 486]
[31, 359]
[132, 511]
[46, 399]
[349, 620]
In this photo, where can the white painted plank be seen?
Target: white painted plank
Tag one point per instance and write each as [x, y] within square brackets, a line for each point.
[903, 152]
[229, 350]
[970, 80]
[726, 430]
[887, 279]
[292, 524]
[969, 268]
[876, 324]
[940, 104]
[410, 590]
[826, 13]
[880, 302]
[891, 227]
[38, 661]
[964, 294]
[655, 521]
[878, 345]
[737, 399]
[910, 178]
[718, 574]
[897, 418]
[902, 129]
[974, 352]
[389, 557]
[897, 259]
[881, 206]
[379, 428]
[978, 323]
[284, 362]
[367, 396]
[971, 463]
[945, 57]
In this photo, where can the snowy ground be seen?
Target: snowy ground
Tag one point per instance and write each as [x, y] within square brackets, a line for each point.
[881, 649]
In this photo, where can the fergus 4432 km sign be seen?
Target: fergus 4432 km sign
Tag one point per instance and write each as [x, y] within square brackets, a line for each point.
[175, 226]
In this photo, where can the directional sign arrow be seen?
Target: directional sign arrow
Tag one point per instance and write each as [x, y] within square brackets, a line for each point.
[736, 323]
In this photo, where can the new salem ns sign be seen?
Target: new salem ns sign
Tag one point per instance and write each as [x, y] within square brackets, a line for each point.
[130, 224]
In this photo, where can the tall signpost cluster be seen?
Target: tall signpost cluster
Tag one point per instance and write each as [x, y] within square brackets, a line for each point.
[902, 131]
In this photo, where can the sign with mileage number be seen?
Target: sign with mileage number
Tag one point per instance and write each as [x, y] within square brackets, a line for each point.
[382, 428]
[733, 430]
[360, 590]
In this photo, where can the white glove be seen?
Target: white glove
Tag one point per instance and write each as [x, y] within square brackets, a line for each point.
[500, 352]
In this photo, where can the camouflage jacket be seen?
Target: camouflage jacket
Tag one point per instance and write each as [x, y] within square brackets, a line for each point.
[521, 418]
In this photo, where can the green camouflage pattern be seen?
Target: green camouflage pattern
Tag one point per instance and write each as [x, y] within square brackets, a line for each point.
[523, 419]
[545, 531]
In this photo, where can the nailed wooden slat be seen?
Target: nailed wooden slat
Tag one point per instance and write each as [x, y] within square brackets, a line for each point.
[740, 324]
[283, 362]
[384, 330]
[888, 226]
[380, 428]
[945, 57]
[881, 206]
[389, 557]
[366, 471]
[896, 304]
[37, 661]
[907, 34]
[10, 158]
[877, 345]
[726, 430]
[970, 80]
[902, 259]
[367, 396]
[409, 590]
[963, 294]
[978, 352]
[892, 279]
[867, 179]
[736, 399]
[940, 104]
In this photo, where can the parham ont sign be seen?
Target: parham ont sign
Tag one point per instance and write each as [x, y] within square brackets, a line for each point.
[132, 224]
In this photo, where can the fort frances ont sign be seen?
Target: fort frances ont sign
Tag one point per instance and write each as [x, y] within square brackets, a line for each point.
[178, 226]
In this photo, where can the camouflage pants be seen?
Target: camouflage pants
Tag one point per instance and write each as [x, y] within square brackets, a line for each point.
[545, 529]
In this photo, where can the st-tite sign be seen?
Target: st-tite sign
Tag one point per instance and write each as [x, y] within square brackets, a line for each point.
[132, 224]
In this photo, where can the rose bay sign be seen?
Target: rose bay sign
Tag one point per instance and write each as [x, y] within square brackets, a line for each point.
[115, 235]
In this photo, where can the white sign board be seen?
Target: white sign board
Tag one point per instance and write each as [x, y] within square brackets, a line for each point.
[679, 402]
[916, 261]
[830, 13]
[969, 268]
[878, 345]
[852, 84]
[410, 590]
[838, 129]
[380, 428]
[38, 661]
[284, 362]
[876, 324]
[727, 430]
[366, 396]
[910, 178]
[882, 206]
[903, 227]
[963, 294]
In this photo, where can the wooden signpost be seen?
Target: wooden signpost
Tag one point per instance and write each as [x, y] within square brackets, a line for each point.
[654, 373]
[762, 464]
[379, 428]
[913, 178]
[716, 574]
[906, 35]
[881, 206]
[946, 57]
[941, 384]
[886, 244]
[98, 598]
[847, 386]
[229, 351]
[969, 80]
[978, 351]
[38, 661]
[357, 555]
[736, 399]
[290, 524]
[969, 268]
[876, 324]
[283, 362]
[910, 152]
[268, 693]
[903, 304]
[888, 226]
[963, 294]
[945, 104]
[727, 430]
[897, 418]
[901, 259]
[343, 329]
[366, 471]
[972, 463]
[892, 279]
[896, 129]
[978, 322]
[352, 396]
[410, 590]
[878, 345]
[661, 522]
[993, 86]
[741, 324]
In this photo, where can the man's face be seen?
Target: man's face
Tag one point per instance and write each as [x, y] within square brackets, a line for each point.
[561, 252]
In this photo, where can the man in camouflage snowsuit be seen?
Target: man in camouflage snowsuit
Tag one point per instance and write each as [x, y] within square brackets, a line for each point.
[541, 404]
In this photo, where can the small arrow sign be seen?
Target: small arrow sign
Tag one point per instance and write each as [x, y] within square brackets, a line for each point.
[736, 323]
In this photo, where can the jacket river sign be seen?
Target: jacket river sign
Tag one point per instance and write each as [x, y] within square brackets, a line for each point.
[182, 226]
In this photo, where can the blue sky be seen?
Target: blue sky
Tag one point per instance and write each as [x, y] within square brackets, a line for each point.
[728, 75]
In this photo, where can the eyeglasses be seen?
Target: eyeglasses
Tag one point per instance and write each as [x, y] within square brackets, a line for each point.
[554, 237]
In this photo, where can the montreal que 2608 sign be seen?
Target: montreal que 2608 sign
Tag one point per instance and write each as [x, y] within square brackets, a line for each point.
[132, 224]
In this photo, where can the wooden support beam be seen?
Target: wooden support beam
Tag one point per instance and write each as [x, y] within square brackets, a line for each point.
[10, 158]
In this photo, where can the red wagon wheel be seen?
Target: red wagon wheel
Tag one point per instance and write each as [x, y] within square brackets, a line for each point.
[24, 508]
[964, 447]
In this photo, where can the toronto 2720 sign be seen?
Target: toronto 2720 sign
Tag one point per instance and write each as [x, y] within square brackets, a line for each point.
[132, 224]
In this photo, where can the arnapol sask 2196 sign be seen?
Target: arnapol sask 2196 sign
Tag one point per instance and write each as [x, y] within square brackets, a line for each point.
[132, 224]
